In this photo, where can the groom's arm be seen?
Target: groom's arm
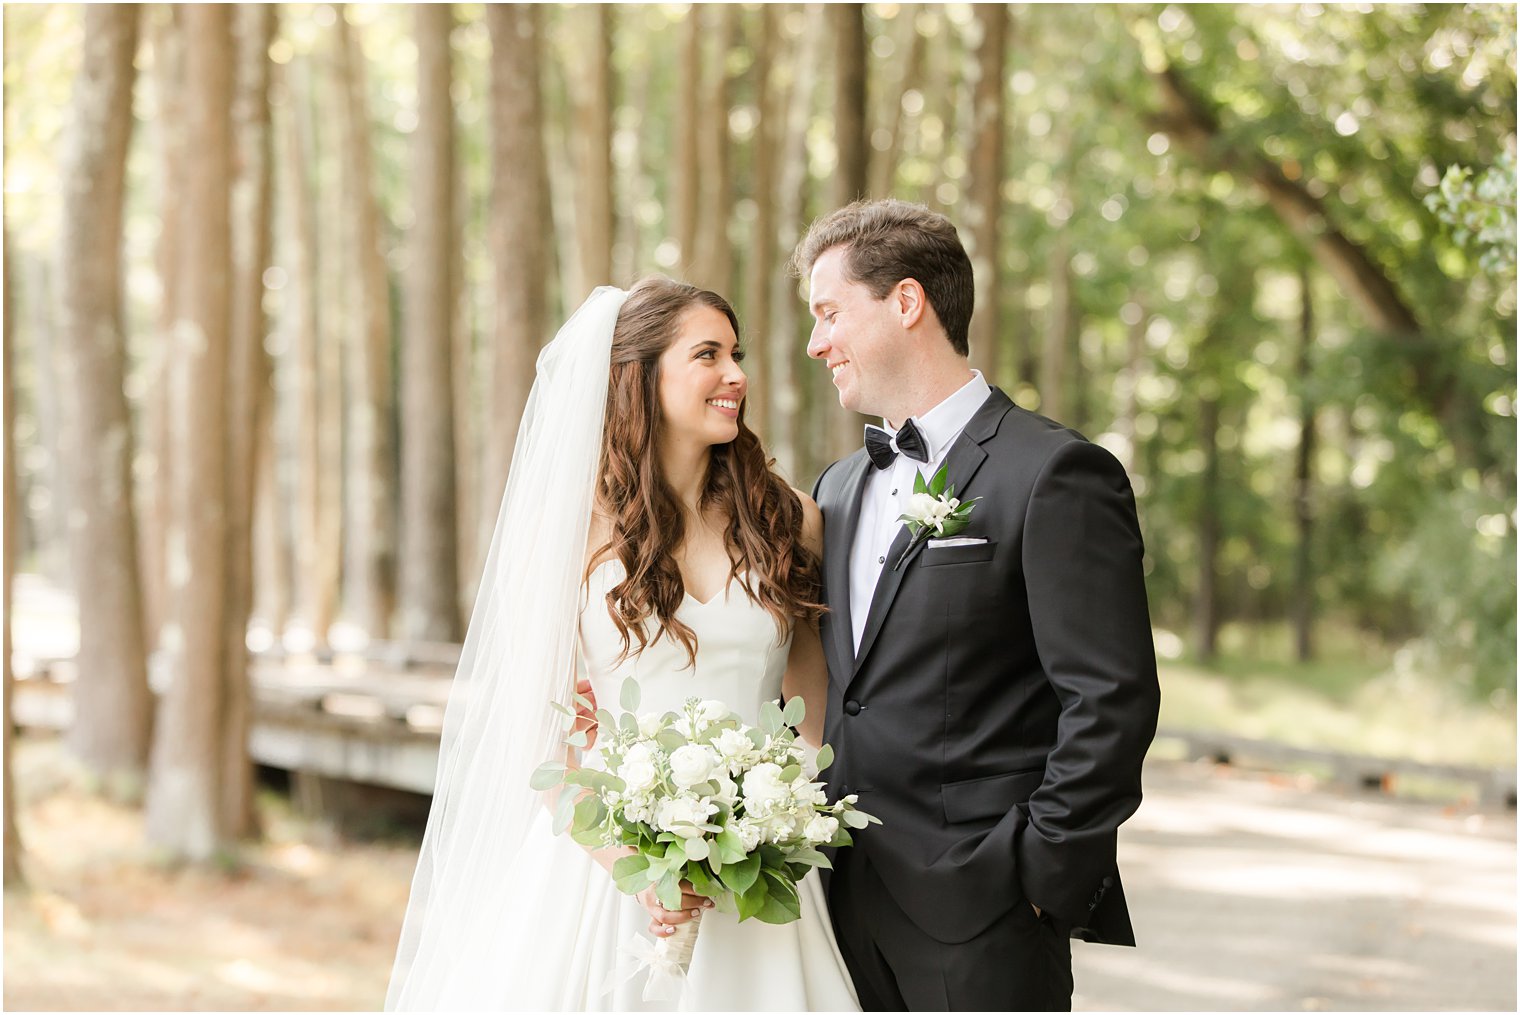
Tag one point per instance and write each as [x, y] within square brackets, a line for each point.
[1087, 607]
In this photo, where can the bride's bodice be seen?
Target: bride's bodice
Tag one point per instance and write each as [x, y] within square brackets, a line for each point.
[740, 661]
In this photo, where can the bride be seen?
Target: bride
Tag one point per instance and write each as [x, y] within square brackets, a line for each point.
[642, 534]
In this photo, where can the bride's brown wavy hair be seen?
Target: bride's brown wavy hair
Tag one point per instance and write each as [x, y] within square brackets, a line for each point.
[763, 533]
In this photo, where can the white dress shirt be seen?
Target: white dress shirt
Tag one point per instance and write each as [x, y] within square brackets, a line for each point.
[887, 491]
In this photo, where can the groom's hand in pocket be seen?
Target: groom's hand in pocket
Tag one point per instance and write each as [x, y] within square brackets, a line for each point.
[662, 921]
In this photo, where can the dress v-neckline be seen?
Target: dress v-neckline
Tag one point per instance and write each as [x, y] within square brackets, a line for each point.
[721, 593]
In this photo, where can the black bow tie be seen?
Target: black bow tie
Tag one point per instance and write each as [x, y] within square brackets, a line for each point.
[884, 447]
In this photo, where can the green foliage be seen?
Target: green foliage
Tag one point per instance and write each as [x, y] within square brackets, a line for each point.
[1481, 212]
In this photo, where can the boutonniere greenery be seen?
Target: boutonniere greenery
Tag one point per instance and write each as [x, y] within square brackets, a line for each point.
[933, 510]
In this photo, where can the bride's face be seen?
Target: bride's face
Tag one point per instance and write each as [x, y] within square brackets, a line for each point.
[701, 384]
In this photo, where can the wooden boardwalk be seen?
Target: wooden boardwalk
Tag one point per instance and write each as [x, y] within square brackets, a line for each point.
[375, 717]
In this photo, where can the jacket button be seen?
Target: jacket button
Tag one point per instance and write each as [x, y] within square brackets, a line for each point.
[852, 707]
[1108, 882]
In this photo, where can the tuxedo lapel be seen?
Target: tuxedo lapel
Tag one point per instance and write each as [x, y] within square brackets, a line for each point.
[838, 539]
[961, 464]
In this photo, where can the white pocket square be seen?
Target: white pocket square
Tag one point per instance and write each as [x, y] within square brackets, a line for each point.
[957, 541]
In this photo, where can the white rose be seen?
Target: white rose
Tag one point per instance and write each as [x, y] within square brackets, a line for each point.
[651, 723]
[692, 764]
[712, 711]
[683, 816]
[821, 829]
[749, 833]
[733, 747]
[639, 752]
[638, 773]
[728, 790]
[763, 788]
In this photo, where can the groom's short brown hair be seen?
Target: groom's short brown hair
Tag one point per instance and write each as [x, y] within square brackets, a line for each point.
[890, 240]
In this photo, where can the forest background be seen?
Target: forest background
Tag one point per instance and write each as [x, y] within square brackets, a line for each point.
[276, 277]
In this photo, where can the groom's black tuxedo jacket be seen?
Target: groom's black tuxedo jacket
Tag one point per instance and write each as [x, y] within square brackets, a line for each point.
[1004, 695]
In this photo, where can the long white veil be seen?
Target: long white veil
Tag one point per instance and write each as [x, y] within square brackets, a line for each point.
[518, 656]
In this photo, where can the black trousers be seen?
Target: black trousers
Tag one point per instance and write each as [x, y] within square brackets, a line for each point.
[1020, 963]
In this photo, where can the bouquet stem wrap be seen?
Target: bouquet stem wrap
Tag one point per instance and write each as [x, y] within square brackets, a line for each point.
[667, 961]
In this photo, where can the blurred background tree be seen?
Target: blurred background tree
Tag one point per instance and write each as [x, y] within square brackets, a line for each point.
[1266, 255]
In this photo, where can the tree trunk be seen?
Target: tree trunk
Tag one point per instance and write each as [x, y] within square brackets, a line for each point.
[785, 343]
[429, 583]
[594, 210]
[313, 484]
[186, 813]
[850, 127]
[1303, 608]
[762, 258]
[714, 267]
[13, 873]
[156, 494]
[884, 157]
[519, 202]
[1129, 391]
[1058, 339]
[851, 135]
[369, 529]
[688, 180]
[984, 208]
[112, 705]
[1206, 603]
[248, 395]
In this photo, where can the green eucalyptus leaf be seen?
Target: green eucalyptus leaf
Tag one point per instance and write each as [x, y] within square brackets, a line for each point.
[669, 891]
[752, 901]
[825, 756]
[577, 739]
[790, 772]
[795, 711]
[770, 717]
[697, 849]
[547, 776]
[631, 874]
[629, 698]
[740, 876]
[562, 709]
[564, 813]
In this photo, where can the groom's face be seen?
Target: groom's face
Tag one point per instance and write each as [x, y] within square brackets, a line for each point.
[858, 337]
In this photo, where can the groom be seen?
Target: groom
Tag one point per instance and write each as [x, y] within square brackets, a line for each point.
[991, 695]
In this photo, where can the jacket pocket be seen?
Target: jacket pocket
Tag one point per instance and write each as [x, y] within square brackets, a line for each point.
[964, 554]
[991, 796]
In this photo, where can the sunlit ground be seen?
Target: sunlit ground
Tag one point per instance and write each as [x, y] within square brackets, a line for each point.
[1248, 892]
[303, 925]
[1265, 893]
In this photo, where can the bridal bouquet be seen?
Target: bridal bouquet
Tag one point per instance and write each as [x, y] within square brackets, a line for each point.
[702, 798]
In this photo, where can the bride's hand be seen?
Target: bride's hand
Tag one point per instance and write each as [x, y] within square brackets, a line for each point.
[662, 921]
[585, 718]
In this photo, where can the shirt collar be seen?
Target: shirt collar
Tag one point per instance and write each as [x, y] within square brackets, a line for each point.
[943, 423]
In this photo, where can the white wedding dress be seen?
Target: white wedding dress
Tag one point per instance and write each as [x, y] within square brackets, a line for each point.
[571, 924]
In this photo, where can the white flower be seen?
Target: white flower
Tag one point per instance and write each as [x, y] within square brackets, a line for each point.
[639, 773]
[763, 788]
[728, 790]
[734, 748]
[749, 832]
[651, 723]
[638, 751]
[821, 829]
[683, 816]
[692, 764]
[712, 711]
[923, 506]
[780, 827]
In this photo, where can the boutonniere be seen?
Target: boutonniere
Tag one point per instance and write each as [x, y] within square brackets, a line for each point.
[933, 510]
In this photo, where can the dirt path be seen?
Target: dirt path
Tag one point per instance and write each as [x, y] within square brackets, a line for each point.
[1248, 893]
[1252, 893]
